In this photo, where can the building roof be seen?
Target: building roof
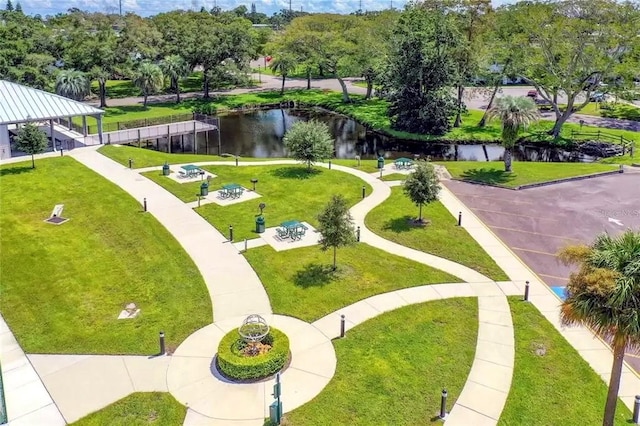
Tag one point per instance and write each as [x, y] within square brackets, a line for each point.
[19, 104]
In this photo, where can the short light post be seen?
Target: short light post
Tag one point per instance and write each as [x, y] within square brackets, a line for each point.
[381, 170]
[342, 325]
[144, 204]
[162, 346]
[526, 291]
[636, 410]
[130, 163]
[198, 200]
[443, 405]
[254, 181]
[364, 191]
[329, 164]
[236, 160]
[230, 233]
[459, 218]
[358, 234]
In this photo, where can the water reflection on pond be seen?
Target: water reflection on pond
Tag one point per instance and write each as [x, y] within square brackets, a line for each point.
[259, 134]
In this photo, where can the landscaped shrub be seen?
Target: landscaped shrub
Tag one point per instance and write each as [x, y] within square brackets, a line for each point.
[235, 365]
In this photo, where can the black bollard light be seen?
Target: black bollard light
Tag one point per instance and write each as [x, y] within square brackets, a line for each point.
[364, 191]
[636, 410]
[254, 181]
[230, 232]
[329, 164]
[459, 218]
[443, 404]
[61, 152]
[162, 347]
[144, 204]
[621, 170]
[236, 161]
[358, 234]
[130, 163]
[526, 291]
[198, 195]
[342, 325]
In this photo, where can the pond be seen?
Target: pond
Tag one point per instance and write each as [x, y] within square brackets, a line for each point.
[259, 134]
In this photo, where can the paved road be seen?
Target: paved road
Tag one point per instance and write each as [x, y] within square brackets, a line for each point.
[535, 223]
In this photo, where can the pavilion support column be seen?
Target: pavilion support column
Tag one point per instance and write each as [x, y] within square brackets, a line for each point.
[100, 136]
[84, 125]
[52, 133]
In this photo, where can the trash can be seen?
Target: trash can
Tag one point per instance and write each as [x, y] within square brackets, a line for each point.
[204, 189]
[380, 162]
[260, 224]
[165, 170]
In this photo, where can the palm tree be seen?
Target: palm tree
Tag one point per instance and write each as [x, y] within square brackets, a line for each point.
[148, 79]
[101, 75]
[72, 84]
[516, 113]
[175, 68]
[605, 295]
[283, 64]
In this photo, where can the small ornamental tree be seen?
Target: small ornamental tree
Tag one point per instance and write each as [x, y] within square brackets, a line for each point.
[309, 142]
[422, 186]
[335, 224]
[31, 140]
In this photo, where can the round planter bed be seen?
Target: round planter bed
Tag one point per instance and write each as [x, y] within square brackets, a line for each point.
[233, 362]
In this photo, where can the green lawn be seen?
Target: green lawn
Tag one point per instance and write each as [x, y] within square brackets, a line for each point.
[442, 237]
[143, 157]
[139, 409]
[394, 176]
[289, 192]
[612, 110]
[64, 286]
[300, 282]
[557, 388]
[392, 369]
[524, 172]
[125, 88]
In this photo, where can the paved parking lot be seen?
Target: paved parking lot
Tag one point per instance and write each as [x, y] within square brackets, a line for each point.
[535, 223]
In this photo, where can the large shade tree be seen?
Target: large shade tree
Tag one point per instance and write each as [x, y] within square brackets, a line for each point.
[604, 294]
[515, 113]
[572, 46]
[72, 84]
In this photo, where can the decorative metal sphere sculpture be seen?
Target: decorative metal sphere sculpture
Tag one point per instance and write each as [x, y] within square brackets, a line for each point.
[253, 329]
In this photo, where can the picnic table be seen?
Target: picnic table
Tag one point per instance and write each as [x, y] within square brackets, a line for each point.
[190, 170]
[403, 163]
[292, 229]
[233, 190]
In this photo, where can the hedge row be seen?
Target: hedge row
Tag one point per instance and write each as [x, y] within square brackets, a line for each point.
[233, 364]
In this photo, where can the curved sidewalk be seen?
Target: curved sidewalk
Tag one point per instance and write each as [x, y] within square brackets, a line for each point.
[234, 287]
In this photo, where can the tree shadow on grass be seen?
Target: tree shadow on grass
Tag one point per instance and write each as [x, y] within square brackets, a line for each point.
[405, 224]
[490, 176]
[16, 170]
[300, 172]
[314, 275]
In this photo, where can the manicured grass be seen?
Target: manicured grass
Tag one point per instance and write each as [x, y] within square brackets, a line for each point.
[367, 166]
[301, 283]
[139, 409]
[442, 237]
[392, 369]
[125, 88]
[612, 110]
[290, 192]
[64, 286]
[557, 388]
[394, 176]
[149, 158]
[524, 172]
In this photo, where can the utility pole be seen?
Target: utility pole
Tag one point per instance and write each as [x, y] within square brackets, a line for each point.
[289, 6]
[120, 6]
[360, 9]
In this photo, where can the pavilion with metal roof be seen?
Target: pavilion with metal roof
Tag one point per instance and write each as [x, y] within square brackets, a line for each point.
[21, 104]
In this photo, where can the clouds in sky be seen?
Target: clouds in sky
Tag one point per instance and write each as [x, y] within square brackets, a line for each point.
[152, 7]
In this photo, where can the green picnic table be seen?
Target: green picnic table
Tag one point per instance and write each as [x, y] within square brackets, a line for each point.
[403, 163]
[190, 170]
[293, 229]
[233, 190]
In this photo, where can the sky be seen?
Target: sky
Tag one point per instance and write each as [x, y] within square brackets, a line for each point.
[152, 7]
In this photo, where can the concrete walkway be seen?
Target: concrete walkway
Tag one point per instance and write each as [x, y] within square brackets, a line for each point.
[233, 285]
